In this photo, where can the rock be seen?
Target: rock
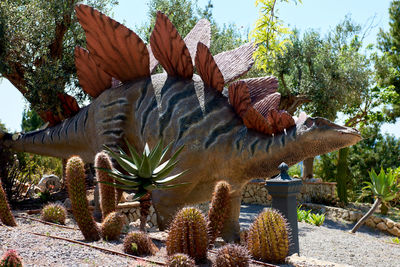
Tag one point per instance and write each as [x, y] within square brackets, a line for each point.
[376, 219]
[389, 223]
[370, 222]
[382, 226]
[353, 216]
[394, 231]
[67, 203]
[50, 183]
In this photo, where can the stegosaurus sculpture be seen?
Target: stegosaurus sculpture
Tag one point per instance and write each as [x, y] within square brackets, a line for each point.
[235, 133]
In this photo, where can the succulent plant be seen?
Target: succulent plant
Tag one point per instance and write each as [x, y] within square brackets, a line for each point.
[268, 237]
[5, 212]
[219, 210]
[232, 256]
[75, 178]
[144, 173]
[180, 260]
[139, 243]
[111, 226]
[10, 259]
[54, 213]
[107, 192]
[188, 234]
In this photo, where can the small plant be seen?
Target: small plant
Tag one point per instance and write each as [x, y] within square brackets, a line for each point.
[11, 259]
[75, 174]
[107, 192]
[395, 240]
[232, 256]
[180, 260]
[188, 234]
[302, 215]
[112, 225]
[54, 213]
[5, 212]
[139, 243]
[316, 219]
[268, 238]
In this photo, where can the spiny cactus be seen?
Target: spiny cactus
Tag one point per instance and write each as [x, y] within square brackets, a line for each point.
[219, 210]
[55, 213]
[112, 225]
[5, 212]
[10, 259]
[75, 173]
[188, 234]
[268, 237]
[139, 243]
[107, 192]
[232, 256]
[180, 260]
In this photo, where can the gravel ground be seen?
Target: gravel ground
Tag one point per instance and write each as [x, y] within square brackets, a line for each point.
[332, 242]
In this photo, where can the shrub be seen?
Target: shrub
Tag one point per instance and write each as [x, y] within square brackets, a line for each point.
[55, 213]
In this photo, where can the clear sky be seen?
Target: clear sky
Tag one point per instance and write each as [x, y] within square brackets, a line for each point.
[317, 14]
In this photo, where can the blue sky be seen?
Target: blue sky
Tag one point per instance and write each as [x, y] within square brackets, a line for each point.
[317, 14]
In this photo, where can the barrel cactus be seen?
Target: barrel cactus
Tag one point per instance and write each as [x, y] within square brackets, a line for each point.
[111, 226]
[219, 210]
[268, 237]
[139, 243]
[75, 177]
[188, 234]
[232, 256]
[180, 260]
[54, 213]
[107, 192]
[5, 212]
[10, 259]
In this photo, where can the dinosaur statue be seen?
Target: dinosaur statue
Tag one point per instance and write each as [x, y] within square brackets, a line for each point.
[236, 133]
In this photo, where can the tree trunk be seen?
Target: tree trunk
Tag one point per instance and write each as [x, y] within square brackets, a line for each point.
[341, 174]
[308, 165]
[145, 203]
[366, 216]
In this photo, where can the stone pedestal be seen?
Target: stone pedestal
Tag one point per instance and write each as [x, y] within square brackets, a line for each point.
[283, 190]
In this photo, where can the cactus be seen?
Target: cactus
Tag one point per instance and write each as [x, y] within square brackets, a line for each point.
[219, 210]
[10, 259]
[180, 260]
[188, 234]
[75, 173]
[107, 192]
[268, 237]
[139, 243]
[5, 212]
[55, 213]
[112, 225]
[232, 256]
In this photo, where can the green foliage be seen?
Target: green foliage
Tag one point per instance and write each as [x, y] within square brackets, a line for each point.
[30, 120]
[54, 213]
[219, 210]
[188, 234]
[268, 238]
[295, 171]
[309, 217]
[10, 259]
[383, 186]
[180, 260]
[111, 227]
[107, 192]
[302, 215]
[232, 255]
[139, 244]
[75, 175]
[342, 174]
[5, 212]
[395, 240]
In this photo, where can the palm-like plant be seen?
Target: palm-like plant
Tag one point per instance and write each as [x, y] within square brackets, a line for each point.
[384, 188]
[144, 173]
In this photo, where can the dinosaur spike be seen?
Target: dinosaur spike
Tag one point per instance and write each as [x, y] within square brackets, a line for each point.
[254, 120]
[169, 48]
[261, 87]
[279, 120]
[268, 103]
[92, 79]
[201, 32]
[114, 47]
[208, 69]
[236, 62]
[239, 97]
[153, 60]
[69, 104]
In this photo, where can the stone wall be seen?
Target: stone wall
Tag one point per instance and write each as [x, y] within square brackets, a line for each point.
[131, 210]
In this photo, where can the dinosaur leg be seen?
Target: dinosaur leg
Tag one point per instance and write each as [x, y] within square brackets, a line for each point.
[231, 229]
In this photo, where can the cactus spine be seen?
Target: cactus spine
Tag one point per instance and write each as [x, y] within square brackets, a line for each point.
[75, 173]
[268, 237]
[10, 259]
[5, 212]
[180, 260]
[232, 256]
[219, 210]
[188, 234]
[112, 225]
[139, 243]
[107, 192]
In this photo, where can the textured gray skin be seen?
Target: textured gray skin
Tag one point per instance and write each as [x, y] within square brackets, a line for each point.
[217, 144]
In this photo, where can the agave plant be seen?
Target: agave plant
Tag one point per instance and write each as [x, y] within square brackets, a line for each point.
[383, 187]
[143, 173]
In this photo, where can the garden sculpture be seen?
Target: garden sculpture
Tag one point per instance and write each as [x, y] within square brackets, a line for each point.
[234, 134]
